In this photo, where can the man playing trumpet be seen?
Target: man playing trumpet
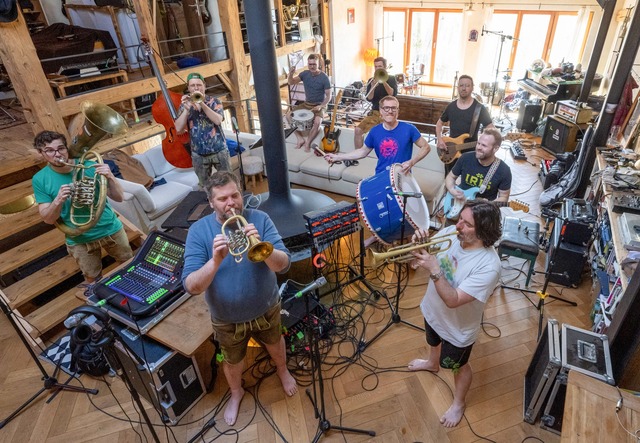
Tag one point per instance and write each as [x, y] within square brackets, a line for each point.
[203, 115]
[52, 187]
[379, 86]
[462, 279]
[242, 296]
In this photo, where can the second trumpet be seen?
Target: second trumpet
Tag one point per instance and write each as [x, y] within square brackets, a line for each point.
[239, 242]
[402, 253]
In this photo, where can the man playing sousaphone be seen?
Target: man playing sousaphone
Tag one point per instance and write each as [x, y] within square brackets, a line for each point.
[392, 141]
[53, 190]
[379, 86]
[317, 91]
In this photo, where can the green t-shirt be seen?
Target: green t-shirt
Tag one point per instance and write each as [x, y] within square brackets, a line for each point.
[46, 184]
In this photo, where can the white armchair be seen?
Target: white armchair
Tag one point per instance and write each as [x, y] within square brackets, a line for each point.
[148, 209]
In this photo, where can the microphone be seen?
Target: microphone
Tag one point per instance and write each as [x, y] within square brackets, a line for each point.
[482, 33]
[234, 123]
[312, 287]
[406, 194]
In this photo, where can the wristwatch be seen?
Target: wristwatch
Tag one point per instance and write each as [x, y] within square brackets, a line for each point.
[436, 277]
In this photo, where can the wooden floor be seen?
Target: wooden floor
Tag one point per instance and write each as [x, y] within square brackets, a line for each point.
[370, 389]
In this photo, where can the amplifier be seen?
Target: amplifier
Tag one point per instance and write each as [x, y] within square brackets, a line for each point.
[167, 379]
[573, 112]
[560, 135]
[332, 222]
[579, 220]
[528, 116]
[565, 261]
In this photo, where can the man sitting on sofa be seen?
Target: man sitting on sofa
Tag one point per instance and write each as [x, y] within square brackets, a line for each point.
[392, 141]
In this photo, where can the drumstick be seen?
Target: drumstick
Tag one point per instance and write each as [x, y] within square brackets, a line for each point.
[317, 149]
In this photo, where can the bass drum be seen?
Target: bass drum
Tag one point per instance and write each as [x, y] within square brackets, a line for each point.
[381, 209]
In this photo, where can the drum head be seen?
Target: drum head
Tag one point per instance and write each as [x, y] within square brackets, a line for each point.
[417, 210]
[302, 119]
[302, 114]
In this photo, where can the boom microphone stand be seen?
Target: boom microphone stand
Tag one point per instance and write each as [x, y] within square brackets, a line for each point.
[50, 381]
[395, 310]
[317, 399]
[503, 37]
[234, 123]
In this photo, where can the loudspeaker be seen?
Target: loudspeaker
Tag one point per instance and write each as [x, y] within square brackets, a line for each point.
[528, 116]
[167, 379]
[565, 261]
[559, 135]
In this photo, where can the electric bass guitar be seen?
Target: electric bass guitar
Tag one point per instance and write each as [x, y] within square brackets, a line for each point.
[454, 146]
[453, 206]
[330, 142]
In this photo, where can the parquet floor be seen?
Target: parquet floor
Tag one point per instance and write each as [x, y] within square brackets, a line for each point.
[370, 390]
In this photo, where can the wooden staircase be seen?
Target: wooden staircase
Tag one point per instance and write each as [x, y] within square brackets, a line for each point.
[39, 316]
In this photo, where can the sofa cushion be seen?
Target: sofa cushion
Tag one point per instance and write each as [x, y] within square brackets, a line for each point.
[365, 168]
[318, 166]
[186, 177]
[167, 197]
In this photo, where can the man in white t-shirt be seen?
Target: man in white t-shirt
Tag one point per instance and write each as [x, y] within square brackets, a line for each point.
[463, 277]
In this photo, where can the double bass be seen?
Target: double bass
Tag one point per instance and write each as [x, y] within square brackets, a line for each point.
[175, 147]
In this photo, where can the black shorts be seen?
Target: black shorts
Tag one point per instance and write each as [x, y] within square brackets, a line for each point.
[451, 357]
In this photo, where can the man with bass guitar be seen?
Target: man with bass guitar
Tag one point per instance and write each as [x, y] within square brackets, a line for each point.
[480, 172]
[464, 116]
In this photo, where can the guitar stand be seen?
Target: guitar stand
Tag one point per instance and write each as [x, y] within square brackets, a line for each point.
[50, 381]
[395, 310]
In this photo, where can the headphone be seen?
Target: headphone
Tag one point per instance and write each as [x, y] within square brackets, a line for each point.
[83, 334]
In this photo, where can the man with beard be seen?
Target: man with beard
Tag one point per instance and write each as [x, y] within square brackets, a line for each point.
[473, 167]
[243, 296]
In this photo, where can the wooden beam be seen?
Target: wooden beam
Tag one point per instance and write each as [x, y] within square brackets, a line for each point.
[29, 81]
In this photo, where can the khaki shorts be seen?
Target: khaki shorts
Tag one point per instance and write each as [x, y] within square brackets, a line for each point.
[370, 121]
[234, 337]
[89, 255]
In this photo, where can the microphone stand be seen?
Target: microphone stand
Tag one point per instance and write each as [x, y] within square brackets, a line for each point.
[237, 132]
[395, 310]
[50, 381]
[503, 36]
[317, 399]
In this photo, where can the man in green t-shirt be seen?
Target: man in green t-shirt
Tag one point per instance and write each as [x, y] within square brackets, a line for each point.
[53, 192]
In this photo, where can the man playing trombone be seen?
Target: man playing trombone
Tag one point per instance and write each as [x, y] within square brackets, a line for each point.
[379, 86]
[462, 279]
[203, 115]
[242, 294]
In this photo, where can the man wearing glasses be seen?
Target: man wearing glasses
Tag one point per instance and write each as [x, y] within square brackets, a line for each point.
[52, 189]
[465, 115]
[392, 141]
[317, 91]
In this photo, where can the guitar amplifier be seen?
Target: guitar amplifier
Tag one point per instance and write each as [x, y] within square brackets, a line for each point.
[528, 116]
[579, 220]
[565, 261]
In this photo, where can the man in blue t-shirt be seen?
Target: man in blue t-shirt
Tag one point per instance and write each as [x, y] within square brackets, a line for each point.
[53, 190]
[242, 296]
[202, 118]
[317, 91]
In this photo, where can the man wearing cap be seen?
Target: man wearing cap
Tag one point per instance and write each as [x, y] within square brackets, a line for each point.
[209, 151]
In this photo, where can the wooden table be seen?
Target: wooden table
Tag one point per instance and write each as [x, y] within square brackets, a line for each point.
[61, 83]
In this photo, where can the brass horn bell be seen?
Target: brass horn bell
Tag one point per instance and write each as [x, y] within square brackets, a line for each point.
[196, 97]
[381, 75]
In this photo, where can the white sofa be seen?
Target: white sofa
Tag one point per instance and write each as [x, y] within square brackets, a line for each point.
[148, 209]
[305, 168]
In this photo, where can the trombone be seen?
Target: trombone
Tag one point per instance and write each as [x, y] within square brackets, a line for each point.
[380, 75]
[402, 253]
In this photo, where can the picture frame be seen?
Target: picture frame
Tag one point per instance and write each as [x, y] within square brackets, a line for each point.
[304, 27]
[351, 16]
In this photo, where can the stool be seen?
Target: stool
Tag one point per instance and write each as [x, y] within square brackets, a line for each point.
[520, 239]
[252, 167]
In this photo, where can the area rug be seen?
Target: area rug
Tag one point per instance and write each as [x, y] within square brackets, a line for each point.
[59, 351]
[10, 117]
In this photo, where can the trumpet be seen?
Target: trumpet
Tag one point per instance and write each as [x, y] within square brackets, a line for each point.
[381, 75]
[402, 253]
[239, 242]
[196, 97]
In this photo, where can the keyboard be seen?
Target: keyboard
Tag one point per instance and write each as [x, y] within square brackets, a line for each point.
[517, 152]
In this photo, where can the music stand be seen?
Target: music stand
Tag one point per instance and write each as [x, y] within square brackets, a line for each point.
[317, 399]
[395, 310]
[50, 381]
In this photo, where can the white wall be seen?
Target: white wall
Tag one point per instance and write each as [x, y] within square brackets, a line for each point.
[349, 41]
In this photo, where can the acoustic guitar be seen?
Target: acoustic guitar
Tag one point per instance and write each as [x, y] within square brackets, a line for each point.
[453, 206]
[330, 142]
[454, 146]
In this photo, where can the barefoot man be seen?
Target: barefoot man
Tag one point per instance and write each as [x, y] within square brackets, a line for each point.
[463, 277]
[242, 297]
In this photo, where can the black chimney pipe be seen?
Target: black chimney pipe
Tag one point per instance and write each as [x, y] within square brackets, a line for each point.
[284, 206]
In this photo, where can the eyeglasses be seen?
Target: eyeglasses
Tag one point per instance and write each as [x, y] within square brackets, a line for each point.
[389, 108]
[55, 151]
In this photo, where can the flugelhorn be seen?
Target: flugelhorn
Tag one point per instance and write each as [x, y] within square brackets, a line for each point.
[196, 97]
[381, 75]
[239, 242]
[402, 253]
